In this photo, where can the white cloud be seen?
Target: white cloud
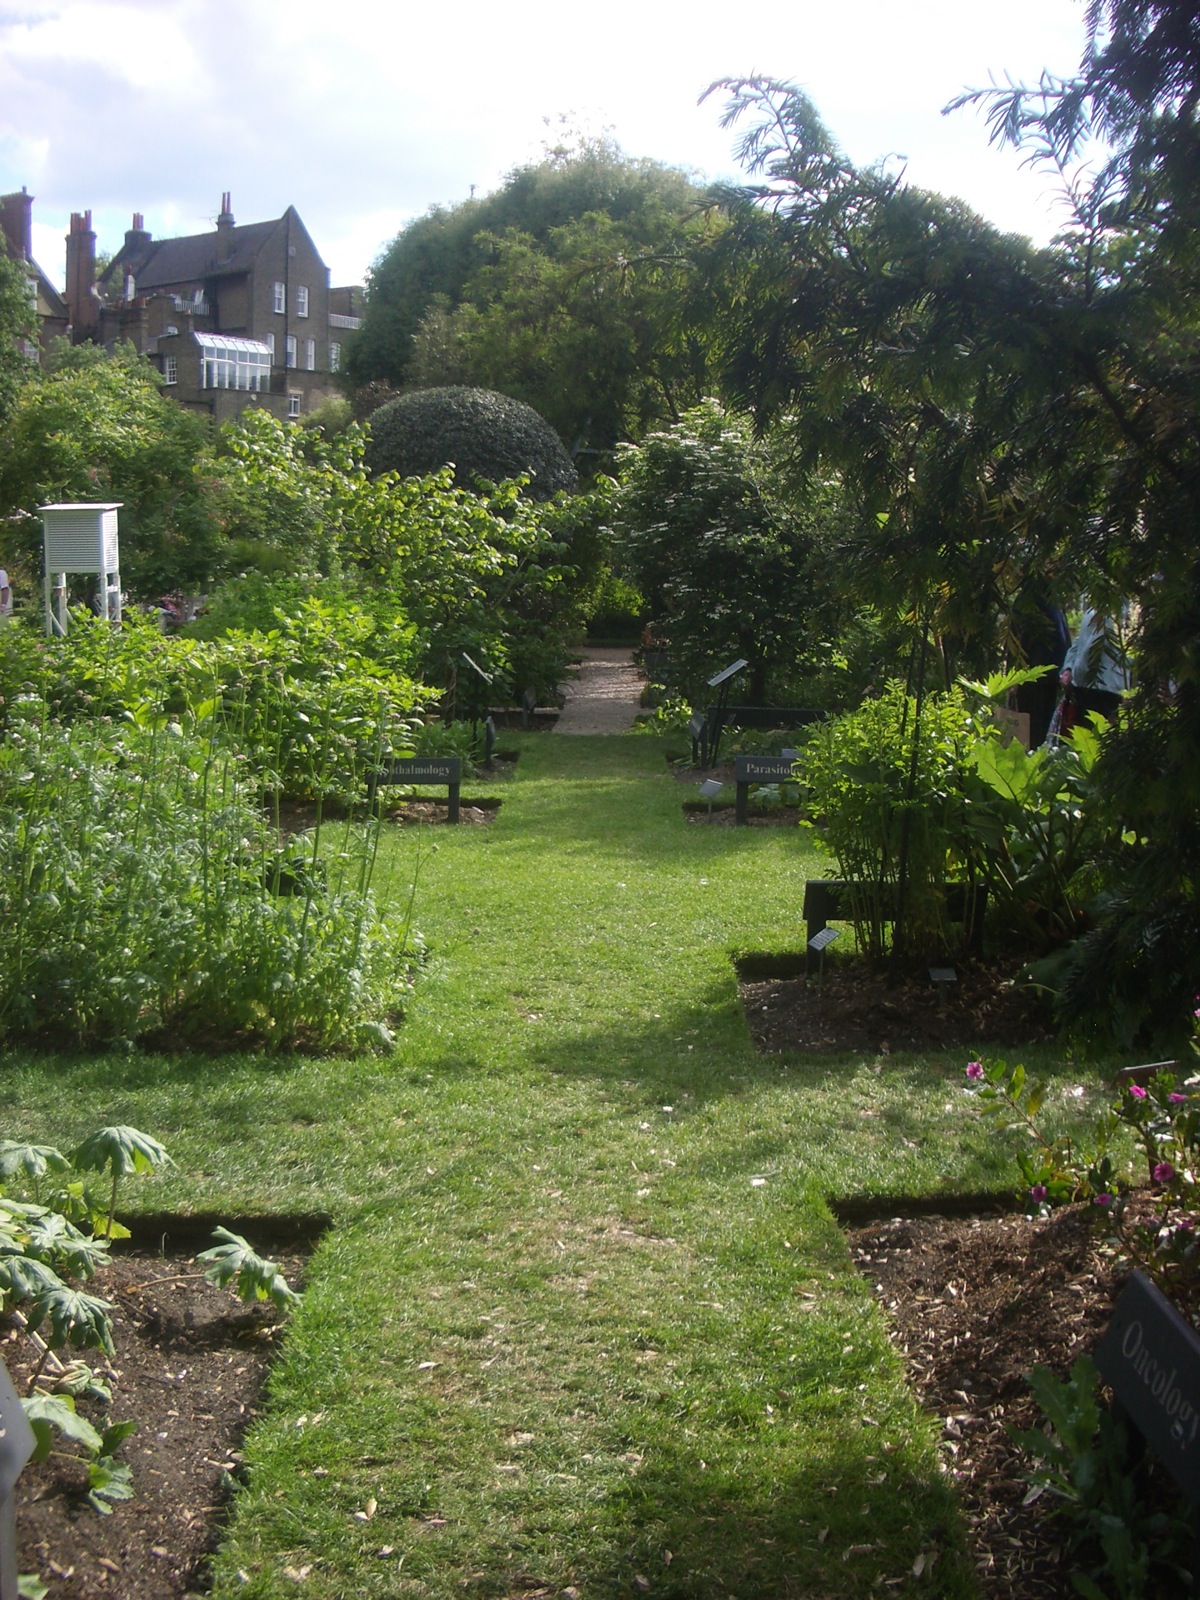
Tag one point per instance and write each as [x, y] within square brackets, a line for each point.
[364, 114]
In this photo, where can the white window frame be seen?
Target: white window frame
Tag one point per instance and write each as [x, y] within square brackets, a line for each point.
[170, 371]
[301, 299]
[335, 356]
[269, 341]
[290, 358]
[293, 404]
[310, 355]
[279, 298]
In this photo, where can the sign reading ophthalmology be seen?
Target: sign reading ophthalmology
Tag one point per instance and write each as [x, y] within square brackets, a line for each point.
[1151, 1357]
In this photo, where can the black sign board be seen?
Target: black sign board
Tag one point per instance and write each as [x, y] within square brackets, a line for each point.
[1151, 1358]
[756, 769]
[762, 769]
[415, 769]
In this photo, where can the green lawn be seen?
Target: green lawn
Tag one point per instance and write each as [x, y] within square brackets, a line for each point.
[584, 1324]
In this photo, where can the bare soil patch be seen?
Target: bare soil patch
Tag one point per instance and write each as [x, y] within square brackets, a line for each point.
[471, 813]
[855, 1008]
[190, 1368]
[974, 1303]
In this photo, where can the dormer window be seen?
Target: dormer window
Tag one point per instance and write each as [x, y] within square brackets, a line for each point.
[301, 299]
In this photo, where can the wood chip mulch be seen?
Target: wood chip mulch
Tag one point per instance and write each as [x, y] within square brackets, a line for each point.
[973, 1304]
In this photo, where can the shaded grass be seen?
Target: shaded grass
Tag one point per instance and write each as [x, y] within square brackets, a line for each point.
[585, 1321]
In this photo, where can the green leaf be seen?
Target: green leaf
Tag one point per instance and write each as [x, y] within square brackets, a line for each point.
[48, 1414]
[29, 1160]
[24, 1278]
[108, 1480]
[124, 1149]
[77, 1319]
[31, 1587]
[234, 1261]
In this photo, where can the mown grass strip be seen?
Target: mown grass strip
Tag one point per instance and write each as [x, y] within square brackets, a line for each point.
[585, 1322]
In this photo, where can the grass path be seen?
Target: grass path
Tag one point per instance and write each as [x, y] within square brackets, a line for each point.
[584, 1325]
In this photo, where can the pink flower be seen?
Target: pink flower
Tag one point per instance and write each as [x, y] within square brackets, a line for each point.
[1103, 1200]
[1177, 1099]
[1038, 1193]
[1163, 1172]
[1137, 1091]
[974, 1070]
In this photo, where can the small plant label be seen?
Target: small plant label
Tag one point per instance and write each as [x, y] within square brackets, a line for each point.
[1151, 1358]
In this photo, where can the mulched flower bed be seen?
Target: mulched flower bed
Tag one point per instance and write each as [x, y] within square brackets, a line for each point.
[190, 1368]
[855, 1008]
[973, 1304]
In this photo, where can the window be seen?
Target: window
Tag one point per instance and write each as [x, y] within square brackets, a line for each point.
[291, 350]
[170, 370]
[335, 357]
[302, 300]
[293, 405]
[310, 355]
[279, 297]
[269, 341]
[229, 363]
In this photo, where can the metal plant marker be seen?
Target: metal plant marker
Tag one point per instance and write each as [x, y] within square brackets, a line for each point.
[943, 977]
[710, 789]
[818, 944]
[721, 680]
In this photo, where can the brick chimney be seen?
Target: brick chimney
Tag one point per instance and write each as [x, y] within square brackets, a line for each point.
[16, 220]
[137, 236]
[83, 303]
[225, 227]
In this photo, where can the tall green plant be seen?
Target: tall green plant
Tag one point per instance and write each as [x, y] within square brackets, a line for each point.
[144, 895]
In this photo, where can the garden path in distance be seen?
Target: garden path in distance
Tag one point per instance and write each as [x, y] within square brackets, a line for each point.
[603, 696]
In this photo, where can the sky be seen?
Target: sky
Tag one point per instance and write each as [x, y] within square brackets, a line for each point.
[365, 113]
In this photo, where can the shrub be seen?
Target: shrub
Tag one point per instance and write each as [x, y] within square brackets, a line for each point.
[145, 897]
[487, 437]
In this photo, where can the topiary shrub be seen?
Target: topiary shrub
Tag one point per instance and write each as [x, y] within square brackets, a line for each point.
[484, 435]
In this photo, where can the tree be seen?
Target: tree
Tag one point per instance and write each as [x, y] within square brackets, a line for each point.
[16, 327]
[95, 427]
[1134, 254]
[724, 564]
[483, 436]
[561, 289]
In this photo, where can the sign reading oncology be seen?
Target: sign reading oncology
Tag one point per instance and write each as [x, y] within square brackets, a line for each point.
[1151, 1357]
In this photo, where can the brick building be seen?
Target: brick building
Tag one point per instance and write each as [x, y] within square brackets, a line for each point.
[240, 316]
[16, 240]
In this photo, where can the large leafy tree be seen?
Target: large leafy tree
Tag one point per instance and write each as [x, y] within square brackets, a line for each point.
[1012, 416]
[96, 427]
[561, 289]
[1133, 370]
[725, 562]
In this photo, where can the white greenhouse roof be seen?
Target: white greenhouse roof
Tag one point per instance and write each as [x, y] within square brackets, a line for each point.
[226, 341]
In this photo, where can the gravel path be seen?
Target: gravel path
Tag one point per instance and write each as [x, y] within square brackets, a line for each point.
[602, 695]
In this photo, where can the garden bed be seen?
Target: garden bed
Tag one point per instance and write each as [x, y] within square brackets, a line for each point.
[853, 1007]
[472, 813]
[190, 1368]
[973, 1303]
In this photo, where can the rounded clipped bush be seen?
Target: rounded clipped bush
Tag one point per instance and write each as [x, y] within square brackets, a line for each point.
[482, 434]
